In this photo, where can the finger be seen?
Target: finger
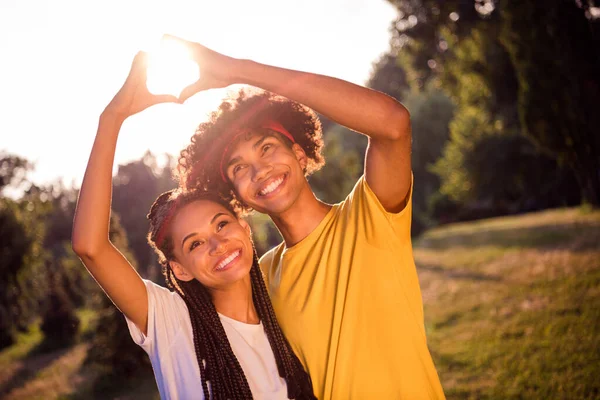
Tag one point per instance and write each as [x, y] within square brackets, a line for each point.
[192, 89]
[138, 66]
[165, 98]
[174, 38]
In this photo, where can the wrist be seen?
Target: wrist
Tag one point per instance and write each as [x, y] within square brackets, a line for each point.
[241, 71]
[112, 115]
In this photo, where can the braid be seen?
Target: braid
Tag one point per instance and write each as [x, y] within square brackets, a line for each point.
[298, 381]
[218, 365]
[220, 371]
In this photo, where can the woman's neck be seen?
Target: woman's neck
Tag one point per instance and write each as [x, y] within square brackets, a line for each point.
[236, 302]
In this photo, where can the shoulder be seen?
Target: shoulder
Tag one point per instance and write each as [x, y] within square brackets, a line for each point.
[363, 196]
[271, 258]
[159, 290]
[363, 210]
[159, 297]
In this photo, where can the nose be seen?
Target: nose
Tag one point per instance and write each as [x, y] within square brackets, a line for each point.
[218, 245]
[260, 171]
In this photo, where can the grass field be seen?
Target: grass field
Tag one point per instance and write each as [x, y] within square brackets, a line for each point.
[512, 305]
[512, 308]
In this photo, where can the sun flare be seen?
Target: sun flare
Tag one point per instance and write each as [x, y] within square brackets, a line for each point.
[170, 68]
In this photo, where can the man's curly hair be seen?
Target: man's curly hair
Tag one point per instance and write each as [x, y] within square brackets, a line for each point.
[199, 163]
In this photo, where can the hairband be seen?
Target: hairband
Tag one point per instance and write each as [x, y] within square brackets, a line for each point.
[268, 124]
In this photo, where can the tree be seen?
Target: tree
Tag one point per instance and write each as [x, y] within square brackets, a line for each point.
[22, 281]
[557, 59]
[455, 45]
[136, 186]
[344, 160]
[388, 76]
[59, 324]
[13, 170]
[113, 354]
[423, 28]
[431, 111]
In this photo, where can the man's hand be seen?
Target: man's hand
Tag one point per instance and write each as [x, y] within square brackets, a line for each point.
[134, 96]
[216, 70]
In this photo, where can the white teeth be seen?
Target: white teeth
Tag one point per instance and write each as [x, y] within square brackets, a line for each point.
[226, 261]
[271, 186]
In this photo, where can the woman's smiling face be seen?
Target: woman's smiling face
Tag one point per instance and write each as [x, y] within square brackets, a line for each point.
[211, 245]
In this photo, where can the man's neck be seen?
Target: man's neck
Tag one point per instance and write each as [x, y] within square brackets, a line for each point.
[236, 302]
[302, 218]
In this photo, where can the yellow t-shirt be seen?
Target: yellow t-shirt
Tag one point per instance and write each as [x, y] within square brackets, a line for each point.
[348, 299]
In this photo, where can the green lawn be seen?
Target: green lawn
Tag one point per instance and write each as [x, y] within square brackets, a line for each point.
[512, 305]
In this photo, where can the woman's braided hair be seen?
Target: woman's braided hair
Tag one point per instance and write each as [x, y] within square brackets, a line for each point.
[221, 374]
[199, 163]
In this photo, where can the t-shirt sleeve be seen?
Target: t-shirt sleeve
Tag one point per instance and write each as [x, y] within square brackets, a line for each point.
[268, 265]
[164, 321]
[369, 211]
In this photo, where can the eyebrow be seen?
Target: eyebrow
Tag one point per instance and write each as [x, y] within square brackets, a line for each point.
[212, 221]
[254, 146]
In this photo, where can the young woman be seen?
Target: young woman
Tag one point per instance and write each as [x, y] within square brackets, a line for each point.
[215, 336]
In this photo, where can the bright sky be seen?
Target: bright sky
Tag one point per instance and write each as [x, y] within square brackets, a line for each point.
[62, 61]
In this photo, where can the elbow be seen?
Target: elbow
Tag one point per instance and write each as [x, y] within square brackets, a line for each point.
[79, 247]
[83, 248]
[398, 122]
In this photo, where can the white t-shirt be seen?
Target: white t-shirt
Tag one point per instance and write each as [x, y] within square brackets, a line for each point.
[170, 346]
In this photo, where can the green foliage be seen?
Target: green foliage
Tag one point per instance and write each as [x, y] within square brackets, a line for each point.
[344, 154]
[113, 355]
[21, 265]
[76, 282]
[431, 111]
[473, 120]
[264, 232]
[557, 60]
[469, 126]
[136, 186]
[389, 77]
[482, 53]
[60, 323]
[423, 32]
[12, 170]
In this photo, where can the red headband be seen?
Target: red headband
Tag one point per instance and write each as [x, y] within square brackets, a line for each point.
[268, 124]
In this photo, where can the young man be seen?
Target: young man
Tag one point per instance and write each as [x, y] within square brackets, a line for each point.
[343, 283]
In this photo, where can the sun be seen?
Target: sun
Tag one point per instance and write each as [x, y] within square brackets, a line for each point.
[170, 68]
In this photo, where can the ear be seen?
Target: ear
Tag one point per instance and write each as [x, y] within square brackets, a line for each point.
[180, 272]
[246, 226]
[300, 155]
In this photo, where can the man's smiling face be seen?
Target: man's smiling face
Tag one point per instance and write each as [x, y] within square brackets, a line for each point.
[266, 173]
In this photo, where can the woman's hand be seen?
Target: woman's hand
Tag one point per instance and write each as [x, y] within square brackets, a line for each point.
[216, 70]
[134, 96]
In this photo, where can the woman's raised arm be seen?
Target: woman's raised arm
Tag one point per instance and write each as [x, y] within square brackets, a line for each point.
[90, 239]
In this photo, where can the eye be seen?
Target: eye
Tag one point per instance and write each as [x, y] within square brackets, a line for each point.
[222, 224]
[194, 244]
[266, 147]
[238, 168]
